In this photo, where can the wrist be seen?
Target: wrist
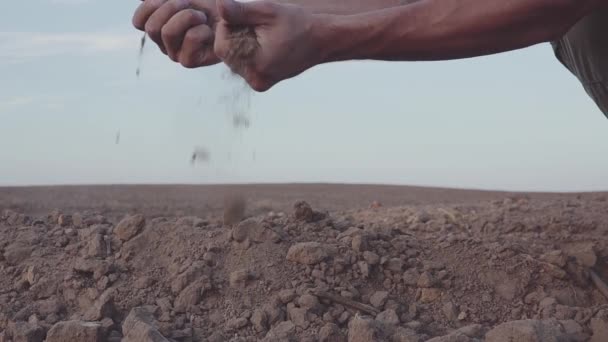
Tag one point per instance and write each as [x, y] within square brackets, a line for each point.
[328, 38]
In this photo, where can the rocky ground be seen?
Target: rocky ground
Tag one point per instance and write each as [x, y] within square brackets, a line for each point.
[492, 267]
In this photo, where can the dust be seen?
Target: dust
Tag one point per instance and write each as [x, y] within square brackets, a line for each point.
[142, 44]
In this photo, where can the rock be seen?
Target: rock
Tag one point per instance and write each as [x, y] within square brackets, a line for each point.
[48, 307]
[287, 295]
[259, 320]
[241, 231]
[527, 331]
[25, 332]
[282, 331]
[32, 275]
[360, 243]
[364, 268]
[556, 258]
[473, 330]
[129, 227]
[70, 331]
[307, 253]
[410, 277]
[77, 220]
[14, 255]
[584, 253]
[102, 307]
[405, 335]
[96, 268]
[97, 246]
[303, 212]
[64, 220]
[388, 317]
[298, 316]
[309, 302]
[426, 280]
[453, 337]
[237, 323]
[331, 333]
[599, 327]
[394, 265]
[378, 299]
[576, 332]
[429, 295]
[450, 311]
[143, 283]
[188, 298]
[139, 326]
[365, 330]
[371, 258]
[239, 279]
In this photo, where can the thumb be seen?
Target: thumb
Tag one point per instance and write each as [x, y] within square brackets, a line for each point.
[254, 12]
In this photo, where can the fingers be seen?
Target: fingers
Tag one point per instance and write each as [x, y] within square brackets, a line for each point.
[161, 16]
[197, 48]
[175, 30]
[144, 11]
[250, 13]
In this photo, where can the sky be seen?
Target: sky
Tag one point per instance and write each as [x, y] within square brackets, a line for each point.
[515, 121]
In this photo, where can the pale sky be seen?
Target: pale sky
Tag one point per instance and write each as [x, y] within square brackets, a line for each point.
[517, 121]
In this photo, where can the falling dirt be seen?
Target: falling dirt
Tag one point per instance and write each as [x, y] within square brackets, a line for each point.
[142, 44]
[458, 266]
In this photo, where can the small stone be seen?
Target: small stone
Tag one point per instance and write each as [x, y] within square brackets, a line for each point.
[472, 331]
[282, 331]
[298, 316]
[378, 299]
[360, 243]
[143, 283]
[394, 265]
[527, 331]
[102, 307]
[462, 316]
[426, 280]
[365, 330]
[410, 277]
[331, 333]
[14, 255]
[241, 232]
[307, 253]
[405, 335]
[429, 295]
[25, 332]
[343, 318]
[309, 302]
[140, 326]
[556, 258]
[371, 258]
[237, 323]
[363, 268]
[303, 211]
[129, 227]
[64, 220]
[259, 320]
[77, 220]
[287, 295]
[239, 279]
[599, 327]
[584, 253]
[75, 331]
[188, 298]
[48, 307]
[32, 275]
[389, 317]
[450, 311]
[97, 246]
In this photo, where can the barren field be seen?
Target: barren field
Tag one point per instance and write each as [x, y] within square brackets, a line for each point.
[301, 263]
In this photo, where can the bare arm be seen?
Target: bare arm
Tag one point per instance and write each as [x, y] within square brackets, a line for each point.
[346, 7]
[447, 29]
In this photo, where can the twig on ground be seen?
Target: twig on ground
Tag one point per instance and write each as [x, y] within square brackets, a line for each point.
[347, 302]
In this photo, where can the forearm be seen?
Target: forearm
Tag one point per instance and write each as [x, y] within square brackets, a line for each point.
[345, 7]
[445, 29]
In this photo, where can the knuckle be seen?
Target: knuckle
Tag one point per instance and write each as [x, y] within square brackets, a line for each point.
[152, 29]
[259, 84]
[167, 33]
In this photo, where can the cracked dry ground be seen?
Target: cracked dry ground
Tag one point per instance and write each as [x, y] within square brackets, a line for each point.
[515, 269]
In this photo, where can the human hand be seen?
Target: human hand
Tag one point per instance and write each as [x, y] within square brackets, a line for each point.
[182, 29]
[281, 41]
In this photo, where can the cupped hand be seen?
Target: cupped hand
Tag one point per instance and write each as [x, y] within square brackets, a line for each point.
[283, 38]
[182, 29]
